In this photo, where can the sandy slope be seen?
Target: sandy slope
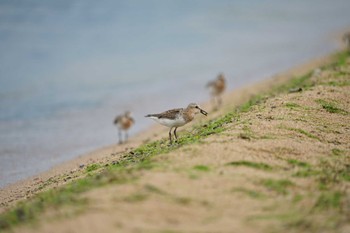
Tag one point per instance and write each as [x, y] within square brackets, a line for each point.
[283, 166]
[70, 170]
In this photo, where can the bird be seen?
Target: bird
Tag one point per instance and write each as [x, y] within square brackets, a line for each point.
[123, 123]
[177, 117]
[217, 87]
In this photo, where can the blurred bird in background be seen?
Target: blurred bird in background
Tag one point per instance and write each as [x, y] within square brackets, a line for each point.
[123, 123]
[216, 88]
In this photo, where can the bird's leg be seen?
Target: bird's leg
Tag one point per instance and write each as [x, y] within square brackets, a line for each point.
[126, 136]
[216, 107]
[219, 101]
[120, 136]
[175, 133]
[213, 102]
[170, 134]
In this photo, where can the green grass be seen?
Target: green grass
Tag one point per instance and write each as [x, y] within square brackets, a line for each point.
[28, 210]
[136, 197]
[341, 60]
[301, 131]
[292, 105]
[201, 168]
[251, 193]
[261, 166]
[337, 152]
[92, 167]
[329, 200]
[154, 189]
[331, 107]
[279, 186]
[342, 83]
[298, 163]
[297, 82]
[257, 99]
[306, 173]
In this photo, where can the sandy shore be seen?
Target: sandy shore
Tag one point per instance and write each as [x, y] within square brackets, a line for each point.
[70, 170]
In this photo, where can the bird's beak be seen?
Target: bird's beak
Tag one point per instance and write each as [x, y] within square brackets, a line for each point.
[203, 112]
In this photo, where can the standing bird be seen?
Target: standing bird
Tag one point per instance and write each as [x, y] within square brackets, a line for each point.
[177, 117]
[346, 39]
[123, 122]
[217, 87]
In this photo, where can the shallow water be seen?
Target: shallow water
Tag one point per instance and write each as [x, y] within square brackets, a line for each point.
[68, 67]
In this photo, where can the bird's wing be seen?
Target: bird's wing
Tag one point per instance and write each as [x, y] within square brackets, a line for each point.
[167, 114]
[210, 84]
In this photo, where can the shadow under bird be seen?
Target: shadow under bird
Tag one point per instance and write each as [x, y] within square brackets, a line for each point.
[178, 117]
[123, 123]
[216, 88]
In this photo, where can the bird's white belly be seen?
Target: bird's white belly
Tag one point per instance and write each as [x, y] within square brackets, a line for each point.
[171, 122]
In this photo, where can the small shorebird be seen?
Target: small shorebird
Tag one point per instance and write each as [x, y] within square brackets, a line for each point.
[346, 39]
[123, 122]
[217, 87]
[175, 118]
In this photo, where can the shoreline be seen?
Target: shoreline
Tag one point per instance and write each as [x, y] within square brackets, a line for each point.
[70, 170]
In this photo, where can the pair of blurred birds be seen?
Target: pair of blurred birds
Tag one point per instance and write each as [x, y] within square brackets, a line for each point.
[177, 117]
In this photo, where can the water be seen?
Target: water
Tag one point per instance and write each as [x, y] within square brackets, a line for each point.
[68, 67]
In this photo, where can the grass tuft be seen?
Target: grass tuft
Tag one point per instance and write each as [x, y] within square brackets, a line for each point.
[92, 167]
[298, 163]
[137, 197]
[279, 186]
[301, 131]
[329, 200]
[251, 193]
[261, 166]
[253, 101]
[331, 107]
[201, 168]
[292, 105]
[337, 152]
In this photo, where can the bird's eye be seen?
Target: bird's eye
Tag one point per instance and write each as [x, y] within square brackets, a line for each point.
[196, 107]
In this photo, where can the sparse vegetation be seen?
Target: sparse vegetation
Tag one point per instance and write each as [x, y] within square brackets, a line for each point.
[261, 166]
[92, 167]
[331, 107]
[298, 163]
[202, 168]
[329, 200]
[337, 152]
[279, 186]
[136, 197]
[301, 131]
[251, 193]
[292, 105]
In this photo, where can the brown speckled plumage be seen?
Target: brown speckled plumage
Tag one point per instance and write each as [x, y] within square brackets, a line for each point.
[177, 117]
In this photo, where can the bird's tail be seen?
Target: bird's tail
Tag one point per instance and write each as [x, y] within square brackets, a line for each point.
[116, 120]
